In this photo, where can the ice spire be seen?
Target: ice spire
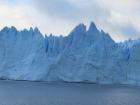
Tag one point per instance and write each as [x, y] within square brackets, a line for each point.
[81, 28]
[92, 28]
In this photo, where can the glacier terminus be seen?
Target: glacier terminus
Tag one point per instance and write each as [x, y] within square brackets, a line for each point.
[85, 55]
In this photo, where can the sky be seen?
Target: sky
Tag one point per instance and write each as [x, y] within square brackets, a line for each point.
[119, 18]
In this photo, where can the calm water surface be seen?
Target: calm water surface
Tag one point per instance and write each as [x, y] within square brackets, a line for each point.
[44, 93]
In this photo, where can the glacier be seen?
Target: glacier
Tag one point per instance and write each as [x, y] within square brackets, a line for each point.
[85, 55]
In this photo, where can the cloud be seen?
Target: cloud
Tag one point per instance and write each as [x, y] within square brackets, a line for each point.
[63, 15]
[20, 14]
[71, 10]
[56, 8]
[120, 18]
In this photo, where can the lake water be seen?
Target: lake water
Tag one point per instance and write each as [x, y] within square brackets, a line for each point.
[44, 93]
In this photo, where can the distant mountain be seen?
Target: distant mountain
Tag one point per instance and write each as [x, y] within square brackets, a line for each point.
[85, 55]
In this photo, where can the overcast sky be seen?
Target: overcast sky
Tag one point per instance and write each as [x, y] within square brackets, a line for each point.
[120, 18]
